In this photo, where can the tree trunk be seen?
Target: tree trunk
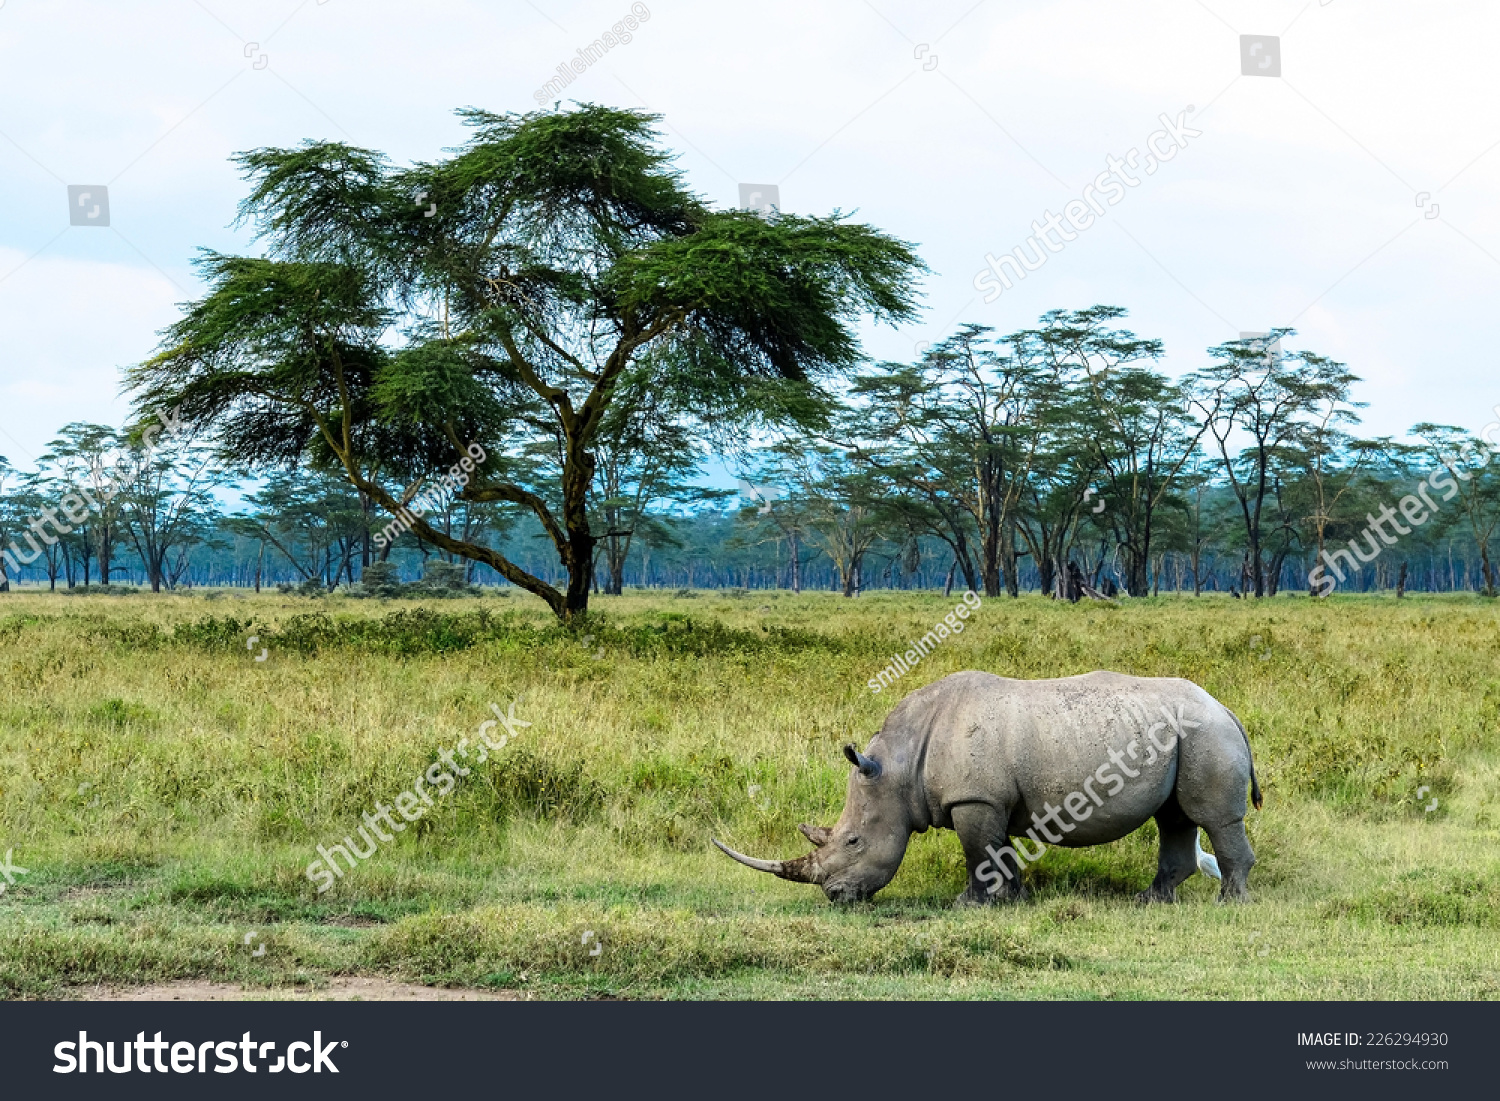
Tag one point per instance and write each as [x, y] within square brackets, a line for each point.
[1273, 576]
[1074, 582]
[1046, 569]
[615, 554]
[991, 530]
[578, 559]
[849, 576]
[989, 570]
[1012, 562]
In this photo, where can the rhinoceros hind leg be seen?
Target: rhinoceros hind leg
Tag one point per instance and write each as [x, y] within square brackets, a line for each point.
[1177, 859]
[1236, 858]
[981, 827]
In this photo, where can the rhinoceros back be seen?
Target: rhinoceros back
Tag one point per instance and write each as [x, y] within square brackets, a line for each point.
[1027, 743]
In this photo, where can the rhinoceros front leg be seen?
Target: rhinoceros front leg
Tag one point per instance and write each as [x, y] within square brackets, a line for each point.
[981, 830]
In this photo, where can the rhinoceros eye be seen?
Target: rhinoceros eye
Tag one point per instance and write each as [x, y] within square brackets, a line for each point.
[852, 841]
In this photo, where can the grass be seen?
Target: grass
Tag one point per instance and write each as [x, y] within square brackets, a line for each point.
[167, 791]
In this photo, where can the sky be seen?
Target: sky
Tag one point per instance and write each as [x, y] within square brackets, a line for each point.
[1344, 197]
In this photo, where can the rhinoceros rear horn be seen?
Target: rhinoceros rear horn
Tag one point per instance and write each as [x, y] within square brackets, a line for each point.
[868, 767]
[818, 835]
[798, 871]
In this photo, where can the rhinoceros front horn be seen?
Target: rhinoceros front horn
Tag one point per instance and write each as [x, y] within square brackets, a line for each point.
[798, 871]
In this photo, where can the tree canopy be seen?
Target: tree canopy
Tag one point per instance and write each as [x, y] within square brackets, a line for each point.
[503, 296]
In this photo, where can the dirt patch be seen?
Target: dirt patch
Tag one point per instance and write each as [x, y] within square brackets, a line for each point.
[342, 989]
[90, 894]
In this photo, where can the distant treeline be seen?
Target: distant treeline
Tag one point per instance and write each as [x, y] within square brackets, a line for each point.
[1053, 459]
[716, 549]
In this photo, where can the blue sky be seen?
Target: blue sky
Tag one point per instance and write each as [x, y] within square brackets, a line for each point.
[1304, 202]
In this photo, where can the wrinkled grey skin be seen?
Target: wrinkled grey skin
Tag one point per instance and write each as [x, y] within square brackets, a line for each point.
[981, 754]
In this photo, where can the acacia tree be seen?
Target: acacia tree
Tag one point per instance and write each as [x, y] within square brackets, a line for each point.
[1137, 430]
[30, 498]
[1329, 460]
[1255, 392]
[314, 521]
[643, 452]
[1051, 503]
[10, 524]
[1197, 534]
[1470, 464]
[383, 332]
[81, 454]
[780, 513]
[841, 506]
[955, 437]
[168, 506]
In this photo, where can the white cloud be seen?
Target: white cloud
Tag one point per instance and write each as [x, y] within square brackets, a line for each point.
[69, 325]
[1273, 214]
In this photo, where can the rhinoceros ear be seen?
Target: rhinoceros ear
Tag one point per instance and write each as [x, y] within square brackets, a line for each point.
[868, 767]
[818, 835]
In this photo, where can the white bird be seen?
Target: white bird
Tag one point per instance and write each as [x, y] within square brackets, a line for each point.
[1206, 862]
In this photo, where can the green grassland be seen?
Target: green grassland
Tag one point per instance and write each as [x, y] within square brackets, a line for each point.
[166, 792]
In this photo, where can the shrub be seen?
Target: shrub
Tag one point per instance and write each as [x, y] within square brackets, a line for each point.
[380, 579]
[313, 586]
[441, 578]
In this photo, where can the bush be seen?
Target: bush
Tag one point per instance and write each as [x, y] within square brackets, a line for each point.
[313, 586]
[380, 579]
[441, 578]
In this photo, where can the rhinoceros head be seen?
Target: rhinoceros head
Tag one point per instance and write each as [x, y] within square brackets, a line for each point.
[860, 853]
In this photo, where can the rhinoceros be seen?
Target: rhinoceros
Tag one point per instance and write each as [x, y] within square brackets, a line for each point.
[1083, 760]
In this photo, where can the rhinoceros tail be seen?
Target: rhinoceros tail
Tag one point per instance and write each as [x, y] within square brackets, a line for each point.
[1255, 797]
